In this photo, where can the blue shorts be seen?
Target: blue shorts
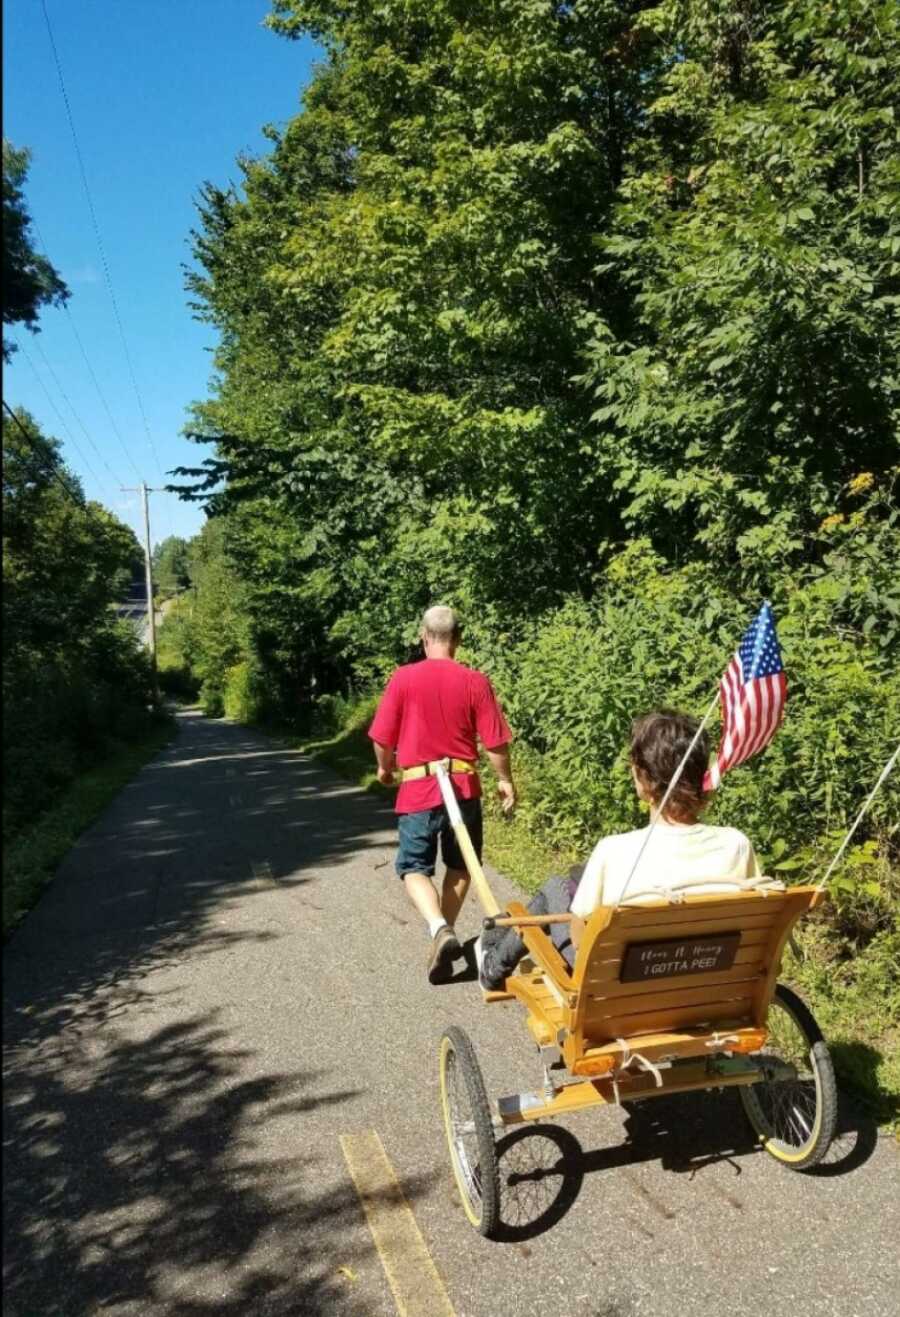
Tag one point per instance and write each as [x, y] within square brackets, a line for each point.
[419, 834]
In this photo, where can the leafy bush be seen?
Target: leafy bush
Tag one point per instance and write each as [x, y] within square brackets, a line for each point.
[212, 699]
[856, 997]
[243, 697]
[178, 682]
[175, 652]
[337, 713]
[75, 681]
[65, 714]
[575, 680]
[203, 642]
[32, 855]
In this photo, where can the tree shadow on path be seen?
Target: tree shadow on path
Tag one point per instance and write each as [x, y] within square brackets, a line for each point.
[144, 1176]
[543, 1167]
[220, 817]
[144, 1170]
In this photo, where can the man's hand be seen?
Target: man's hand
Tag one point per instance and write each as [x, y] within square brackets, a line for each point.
[507, 793]
[499, 761]
[384, 758]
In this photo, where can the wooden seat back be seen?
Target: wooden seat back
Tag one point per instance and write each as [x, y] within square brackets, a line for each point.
[608, 1003]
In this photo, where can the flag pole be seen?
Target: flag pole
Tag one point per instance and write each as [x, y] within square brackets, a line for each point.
[676, 777]
[885, 772]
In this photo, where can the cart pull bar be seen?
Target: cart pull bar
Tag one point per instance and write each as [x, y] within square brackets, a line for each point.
[461, 832]
[525, 921]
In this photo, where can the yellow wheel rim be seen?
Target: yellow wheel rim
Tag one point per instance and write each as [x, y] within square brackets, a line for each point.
[446, 1061]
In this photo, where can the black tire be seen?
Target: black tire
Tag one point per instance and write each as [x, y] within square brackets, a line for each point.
[794, 1117]
[470, 1131]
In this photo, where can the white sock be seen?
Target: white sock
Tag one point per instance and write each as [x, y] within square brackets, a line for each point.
[435, 925]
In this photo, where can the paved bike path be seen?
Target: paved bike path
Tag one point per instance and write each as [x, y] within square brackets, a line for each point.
[225, 978]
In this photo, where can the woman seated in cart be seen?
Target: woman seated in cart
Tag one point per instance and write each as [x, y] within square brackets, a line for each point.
[680, 847]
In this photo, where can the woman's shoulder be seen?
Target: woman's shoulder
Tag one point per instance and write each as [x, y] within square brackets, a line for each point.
[727, 836]
[617, 843]
[726, 830]
[702, 835]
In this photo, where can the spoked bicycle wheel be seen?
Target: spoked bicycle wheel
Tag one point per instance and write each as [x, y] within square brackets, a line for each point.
[470, 1131]
[794, 1108]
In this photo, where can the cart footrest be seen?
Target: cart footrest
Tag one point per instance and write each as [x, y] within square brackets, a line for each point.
[683, 1077]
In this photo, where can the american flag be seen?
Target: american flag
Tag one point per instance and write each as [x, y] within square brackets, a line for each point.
[752, 693]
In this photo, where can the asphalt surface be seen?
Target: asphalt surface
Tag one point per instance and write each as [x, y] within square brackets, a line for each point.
[225, 977]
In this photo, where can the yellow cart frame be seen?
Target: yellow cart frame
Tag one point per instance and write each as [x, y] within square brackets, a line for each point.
[670, 994]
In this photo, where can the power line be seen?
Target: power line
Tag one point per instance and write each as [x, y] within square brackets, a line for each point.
[68, 400]
[100, 395]
[53, 471]
[90, 369]
[62, 420]
[96, 227]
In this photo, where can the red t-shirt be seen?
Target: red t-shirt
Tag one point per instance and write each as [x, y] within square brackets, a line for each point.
[433, 709]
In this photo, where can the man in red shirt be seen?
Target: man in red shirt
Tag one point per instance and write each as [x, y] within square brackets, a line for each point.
[433, 710]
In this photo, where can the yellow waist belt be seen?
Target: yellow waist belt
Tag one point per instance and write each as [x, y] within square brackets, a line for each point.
[429, 770]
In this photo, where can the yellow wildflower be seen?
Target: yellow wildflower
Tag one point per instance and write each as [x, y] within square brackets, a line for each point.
[859, 484]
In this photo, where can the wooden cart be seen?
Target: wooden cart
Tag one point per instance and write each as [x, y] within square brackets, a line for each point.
[670, 995]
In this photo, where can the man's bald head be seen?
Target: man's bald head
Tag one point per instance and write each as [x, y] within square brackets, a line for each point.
[441, 625]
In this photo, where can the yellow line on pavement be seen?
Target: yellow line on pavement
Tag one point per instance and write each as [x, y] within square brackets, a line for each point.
[412, 1275]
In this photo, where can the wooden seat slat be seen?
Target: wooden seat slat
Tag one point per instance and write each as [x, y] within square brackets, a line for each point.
[714, 993]
[535, 982]
[605, 975]
[615, 936]
[545, 1005]
[741, 905]
[606, 971]
[553, 1019]
[614, 991]
[752, 946]
[538, 999]
[689, 1041]
[656, 1020]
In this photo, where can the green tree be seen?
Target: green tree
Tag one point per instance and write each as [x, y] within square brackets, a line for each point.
[73, 677]
[403, 295]
[206, 633]
[65, 561]
[29, 280]
[413, 321]
[171, 568]
[746, 370]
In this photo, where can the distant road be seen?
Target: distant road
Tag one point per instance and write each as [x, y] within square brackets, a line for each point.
[133, 609]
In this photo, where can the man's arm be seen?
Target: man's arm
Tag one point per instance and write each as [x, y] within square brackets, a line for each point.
[499, 761]
[387, 762]
[385, 730]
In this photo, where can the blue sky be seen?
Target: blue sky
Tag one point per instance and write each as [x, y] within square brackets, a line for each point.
[164, 94]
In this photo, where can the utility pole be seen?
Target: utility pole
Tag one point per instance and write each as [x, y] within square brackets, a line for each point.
[144, 490]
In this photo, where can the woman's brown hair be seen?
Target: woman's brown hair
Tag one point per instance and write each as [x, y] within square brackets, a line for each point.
[659, 742]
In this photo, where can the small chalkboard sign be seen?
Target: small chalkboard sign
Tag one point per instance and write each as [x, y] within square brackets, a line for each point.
[678, 956]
